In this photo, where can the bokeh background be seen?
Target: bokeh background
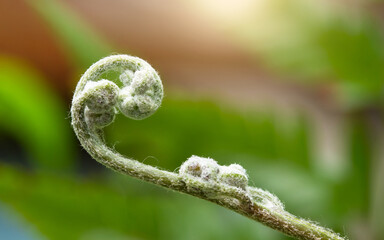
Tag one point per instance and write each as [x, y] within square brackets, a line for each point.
[293, 90]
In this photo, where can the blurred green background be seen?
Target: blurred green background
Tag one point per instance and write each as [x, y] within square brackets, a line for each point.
[293, 90]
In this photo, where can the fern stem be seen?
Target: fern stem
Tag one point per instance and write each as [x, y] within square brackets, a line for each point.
[94, 105]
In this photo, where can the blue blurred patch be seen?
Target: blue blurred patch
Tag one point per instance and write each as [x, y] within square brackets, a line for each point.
[14, 227]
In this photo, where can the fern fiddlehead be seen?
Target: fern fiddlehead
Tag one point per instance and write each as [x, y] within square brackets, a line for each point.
[94, 105]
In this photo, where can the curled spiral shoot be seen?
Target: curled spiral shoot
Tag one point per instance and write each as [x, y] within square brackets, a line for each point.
[97, 100]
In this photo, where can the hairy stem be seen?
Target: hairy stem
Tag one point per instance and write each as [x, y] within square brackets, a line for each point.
[94, 105]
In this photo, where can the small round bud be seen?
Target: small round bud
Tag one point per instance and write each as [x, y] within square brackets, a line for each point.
[102, 95]
[234, 175]
[142, 96]
[99, 119]
[265, 198]
[204, 168]
[126, 77]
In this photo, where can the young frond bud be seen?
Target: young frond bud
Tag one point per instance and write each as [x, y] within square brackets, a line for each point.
[204, 168]
[234, 175]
